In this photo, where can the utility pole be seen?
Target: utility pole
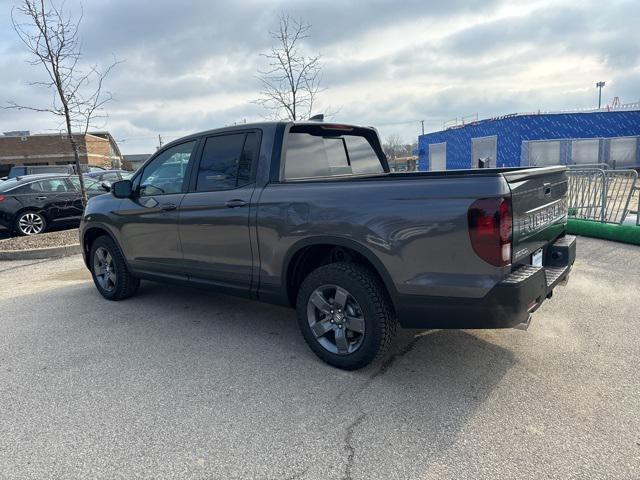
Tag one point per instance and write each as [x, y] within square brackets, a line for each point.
[159, 141]
[422, 122]
[599, 86]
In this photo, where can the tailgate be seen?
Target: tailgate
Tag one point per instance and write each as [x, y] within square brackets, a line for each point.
[539, 206]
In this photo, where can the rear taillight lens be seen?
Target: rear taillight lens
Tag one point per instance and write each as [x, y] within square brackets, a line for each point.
[2, 199]
[490, 230]
[343, 128]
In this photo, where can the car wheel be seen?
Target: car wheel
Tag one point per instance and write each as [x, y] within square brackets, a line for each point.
[30, 223]
[110, 272]
[345, 315]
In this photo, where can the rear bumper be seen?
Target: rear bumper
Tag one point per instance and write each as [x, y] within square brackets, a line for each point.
[7, 219]
[508, 304]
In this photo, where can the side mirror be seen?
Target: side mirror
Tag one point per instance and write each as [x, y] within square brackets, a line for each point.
[122, 189]
[106, 186]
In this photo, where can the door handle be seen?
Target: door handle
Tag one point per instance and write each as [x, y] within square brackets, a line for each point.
[168, 206]
[41, 198]
[236, 203]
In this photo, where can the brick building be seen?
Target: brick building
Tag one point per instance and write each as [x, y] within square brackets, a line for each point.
[23, 148]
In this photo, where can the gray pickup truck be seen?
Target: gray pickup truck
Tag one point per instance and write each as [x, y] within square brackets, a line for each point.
[308, 215]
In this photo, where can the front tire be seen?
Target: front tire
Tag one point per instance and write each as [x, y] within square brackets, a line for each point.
[110, 272]
[30, 223]
[345, 315]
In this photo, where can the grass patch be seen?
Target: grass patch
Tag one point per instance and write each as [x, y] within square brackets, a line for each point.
[607, 231]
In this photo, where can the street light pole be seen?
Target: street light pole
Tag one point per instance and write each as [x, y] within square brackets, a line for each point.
[599, 86]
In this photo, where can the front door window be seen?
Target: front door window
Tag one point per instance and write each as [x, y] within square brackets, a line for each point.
[166, 173]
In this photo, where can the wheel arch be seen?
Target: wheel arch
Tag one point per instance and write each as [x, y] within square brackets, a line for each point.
[30, 209]
[90, 234]
[310, 253]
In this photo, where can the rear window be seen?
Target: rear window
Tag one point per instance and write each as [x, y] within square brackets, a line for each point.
[314, 152]
[34, 187]
[8, 184]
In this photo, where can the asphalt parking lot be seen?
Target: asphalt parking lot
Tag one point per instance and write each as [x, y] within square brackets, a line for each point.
[180, 383]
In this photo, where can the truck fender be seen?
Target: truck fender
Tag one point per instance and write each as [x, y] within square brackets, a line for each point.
[346, 243]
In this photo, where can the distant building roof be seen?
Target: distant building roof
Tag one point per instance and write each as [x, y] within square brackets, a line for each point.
[616, 106]
[16, 133]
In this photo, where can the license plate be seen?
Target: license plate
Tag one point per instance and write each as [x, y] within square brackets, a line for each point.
[536, 258]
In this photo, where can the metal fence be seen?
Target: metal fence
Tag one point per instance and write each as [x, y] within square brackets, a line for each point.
[637, 205]
[602, 195]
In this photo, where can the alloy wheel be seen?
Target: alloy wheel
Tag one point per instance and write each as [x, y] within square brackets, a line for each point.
[31, 224]
[336, 319]
[104, 269]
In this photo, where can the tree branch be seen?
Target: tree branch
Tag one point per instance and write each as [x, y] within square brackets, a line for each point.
[51, 37]
[290, 80]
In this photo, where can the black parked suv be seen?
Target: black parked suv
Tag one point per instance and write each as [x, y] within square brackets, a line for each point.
[31, 204]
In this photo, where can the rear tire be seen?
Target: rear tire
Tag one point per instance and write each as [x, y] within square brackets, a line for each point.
[110, 272]
[353, 336]
[30, 223]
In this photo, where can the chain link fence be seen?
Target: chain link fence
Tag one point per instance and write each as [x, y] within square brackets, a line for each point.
[601, 194]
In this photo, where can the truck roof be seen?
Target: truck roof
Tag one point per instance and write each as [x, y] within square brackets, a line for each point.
[264, 125]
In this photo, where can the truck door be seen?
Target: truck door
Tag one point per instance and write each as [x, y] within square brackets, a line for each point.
[149, 219]
[214, 215]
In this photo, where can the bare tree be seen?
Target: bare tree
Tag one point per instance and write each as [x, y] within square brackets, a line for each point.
[291, 80]
[52, 40]
[393, 147]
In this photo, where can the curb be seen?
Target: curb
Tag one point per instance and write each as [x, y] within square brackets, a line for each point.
[39, 253]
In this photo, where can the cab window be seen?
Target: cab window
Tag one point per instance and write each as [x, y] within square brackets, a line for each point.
[165, 174]
[227, 161]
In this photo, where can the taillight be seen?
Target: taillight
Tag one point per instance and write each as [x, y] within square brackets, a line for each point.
[490, 230]
[2, 199]
[344, 128]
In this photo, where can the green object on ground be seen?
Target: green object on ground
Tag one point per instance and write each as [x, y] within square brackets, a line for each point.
[607, 231]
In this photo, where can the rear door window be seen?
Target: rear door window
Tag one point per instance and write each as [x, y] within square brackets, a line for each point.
[227, 161]
[329, 154]
[55, 185]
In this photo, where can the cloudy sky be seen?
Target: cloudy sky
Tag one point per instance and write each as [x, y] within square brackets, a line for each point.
[191, 65]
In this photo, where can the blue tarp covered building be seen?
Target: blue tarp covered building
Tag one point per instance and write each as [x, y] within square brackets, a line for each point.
[611, 137]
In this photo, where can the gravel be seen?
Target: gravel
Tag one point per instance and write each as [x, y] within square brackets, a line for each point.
[44, 240]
